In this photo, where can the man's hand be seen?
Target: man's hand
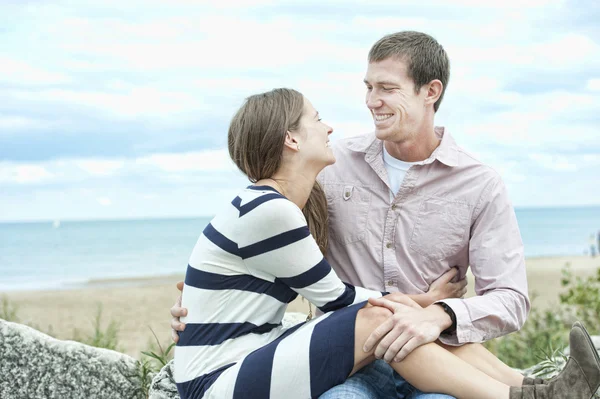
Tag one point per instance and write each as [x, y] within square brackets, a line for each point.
[443, 287]
[177, 311]
[408, 328]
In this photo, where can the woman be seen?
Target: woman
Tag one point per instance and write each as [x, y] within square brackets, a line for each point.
[258, 254]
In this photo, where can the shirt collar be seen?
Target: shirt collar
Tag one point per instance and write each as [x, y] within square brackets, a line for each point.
[446, 152]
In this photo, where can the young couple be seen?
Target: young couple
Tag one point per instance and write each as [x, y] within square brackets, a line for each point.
[409, 201]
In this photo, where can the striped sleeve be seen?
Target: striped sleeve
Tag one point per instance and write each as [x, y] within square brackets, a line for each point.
[276, 244]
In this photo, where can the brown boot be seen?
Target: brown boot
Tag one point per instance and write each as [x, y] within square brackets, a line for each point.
[582, 349]
[579, 379]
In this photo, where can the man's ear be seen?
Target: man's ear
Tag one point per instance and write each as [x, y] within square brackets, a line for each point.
[291, 141]
[434, 91]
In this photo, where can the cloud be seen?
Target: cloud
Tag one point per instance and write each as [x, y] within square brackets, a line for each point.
[15, 72]
[554, 162]
[104, 201]
[96, 167]
[212, 160]
[131, 101]
[173, 166]
[23, 173]
[593, 84]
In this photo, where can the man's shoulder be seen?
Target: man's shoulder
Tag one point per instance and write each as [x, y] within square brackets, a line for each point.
[357, 143]
[469, 162]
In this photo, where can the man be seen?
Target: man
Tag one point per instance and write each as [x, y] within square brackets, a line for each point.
[406, 205]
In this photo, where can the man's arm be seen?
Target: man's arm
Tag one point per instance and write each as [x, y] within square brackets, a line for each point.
[442, 288]
[497, 261]
[502, 304]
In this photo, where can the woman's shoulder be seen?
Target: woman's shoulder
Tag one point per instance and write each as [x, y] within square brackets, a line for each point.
[264, 204]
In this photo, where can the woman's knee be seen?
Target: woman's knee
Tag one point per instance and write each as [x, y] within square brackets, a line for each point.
[373, 316]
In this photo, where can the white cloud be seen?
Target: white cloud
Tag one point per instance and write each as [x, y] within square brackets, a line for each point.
[19, 123]
[558, 163]
[23, 173]
[146, 67]
[212, 160]
[593, 84]
[100, 167]
[14, 71]
[148, 102]
[104, 201]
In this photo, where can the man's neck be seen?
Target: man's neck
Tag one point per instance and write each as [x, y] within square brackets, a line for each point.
[418, 148]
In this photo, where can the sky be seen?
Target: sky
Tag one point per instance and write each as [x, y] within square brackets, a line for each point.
[119, 109]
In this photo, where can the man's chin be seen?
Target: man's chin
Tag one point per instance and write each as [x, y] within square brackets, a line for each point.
[382, 134]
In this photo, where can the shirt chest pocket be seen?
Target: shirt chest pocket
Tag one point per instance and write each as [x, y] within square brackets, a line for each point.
[348, 207]
[441, 228]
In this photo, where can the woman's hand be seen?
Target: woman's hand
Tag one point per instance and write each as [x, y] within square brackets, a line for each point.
[403, 299]
[177, 311]
[444, 288]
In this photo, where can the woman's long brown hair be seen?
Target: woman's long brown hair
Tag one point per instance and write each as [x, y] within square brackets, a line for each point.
[256, 138]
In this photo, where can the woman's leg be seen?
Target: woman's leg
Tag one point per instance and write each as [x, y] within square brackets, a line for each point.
[482, 359]
[429, 368]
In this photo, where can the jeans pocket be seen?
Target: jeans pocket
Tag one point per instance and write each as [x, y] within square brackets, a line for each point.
[441, 228]
[348, 208]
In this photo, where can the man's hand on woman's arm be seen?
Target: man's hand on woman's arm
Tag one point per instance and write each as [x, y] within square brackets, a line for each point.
[177, 311]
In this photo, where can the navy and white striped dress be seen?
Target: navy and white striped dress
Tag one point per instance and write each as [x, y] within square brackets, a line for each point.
[251, 261]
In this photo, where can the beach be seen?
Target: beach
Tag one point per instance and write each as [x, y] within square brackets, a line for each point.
[138, 304]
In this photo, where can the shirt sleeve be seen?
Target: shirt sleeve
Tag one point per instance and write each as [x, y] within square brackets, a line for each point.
[276, 244]
[497, 261]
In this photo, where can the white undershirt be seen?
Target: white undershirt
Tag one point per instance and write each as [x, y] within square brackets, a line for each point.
[396, 170]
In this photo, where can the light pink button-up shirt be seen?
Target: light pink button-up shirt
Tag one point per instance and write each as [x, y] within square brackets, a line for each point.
[451, 210]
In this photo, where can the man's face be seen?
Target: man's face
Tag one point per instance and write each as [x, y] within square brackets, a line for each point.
[396, 109]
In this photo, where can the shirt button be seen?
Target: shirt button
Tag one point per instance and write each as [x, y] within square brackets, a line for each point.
[388, 245]
[394, 207]
[391, 283]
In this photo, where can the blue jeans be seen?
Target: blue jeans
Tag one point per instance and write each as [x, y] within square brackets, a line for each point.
[378, 380]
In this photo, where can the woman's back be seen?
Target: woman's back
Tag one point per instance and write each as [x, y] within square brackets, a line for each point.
[231, 311]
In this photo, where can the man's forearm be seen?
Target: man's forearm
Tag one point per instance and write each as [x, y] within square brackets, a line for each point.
[498, 313]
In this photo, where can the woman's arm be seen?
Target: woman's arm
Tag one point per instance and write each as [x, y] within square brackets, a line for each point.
[442, 288]
[276, 245]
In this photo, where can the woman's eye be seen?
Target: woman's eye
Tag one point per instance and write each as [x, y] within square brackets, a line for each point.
[319, 120]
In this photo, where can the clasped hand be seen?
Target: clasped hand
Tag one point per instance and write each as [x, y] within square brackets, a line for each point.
[411, 325]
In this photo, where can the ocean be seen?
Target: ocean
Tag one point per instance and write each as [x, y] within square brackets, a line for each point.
[64, 255]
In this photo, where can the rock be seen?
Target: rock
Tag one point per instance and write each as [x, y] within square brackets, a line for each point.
[35, 365]
[163, 385]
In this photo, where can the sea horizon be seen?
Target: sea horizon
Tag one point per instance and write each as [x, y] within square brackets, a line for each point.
[174, 217]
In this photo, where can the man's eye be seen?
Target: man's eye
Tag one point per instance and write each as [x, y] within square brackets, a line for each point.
[387, 88]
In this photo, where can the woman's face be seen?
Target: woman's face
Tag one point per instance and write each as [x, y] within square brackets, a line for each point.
[313, 138]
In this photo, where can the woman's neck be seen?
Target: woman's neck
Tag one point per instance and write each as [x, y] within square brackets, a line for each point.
[296, 187]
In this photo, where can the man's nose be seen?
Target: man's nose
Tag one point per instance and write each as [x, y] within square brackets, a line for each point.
[373, 100]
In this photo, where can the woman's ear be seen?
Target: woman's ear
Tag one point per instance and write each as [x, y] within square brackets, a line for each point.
[291, 141]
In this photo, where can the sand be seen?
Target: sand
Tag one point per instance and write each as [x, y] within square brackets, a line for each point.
[137, 305]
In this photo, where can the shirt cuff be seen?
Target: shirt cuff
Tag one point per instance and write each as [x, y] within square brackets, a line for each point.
[464, 326]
